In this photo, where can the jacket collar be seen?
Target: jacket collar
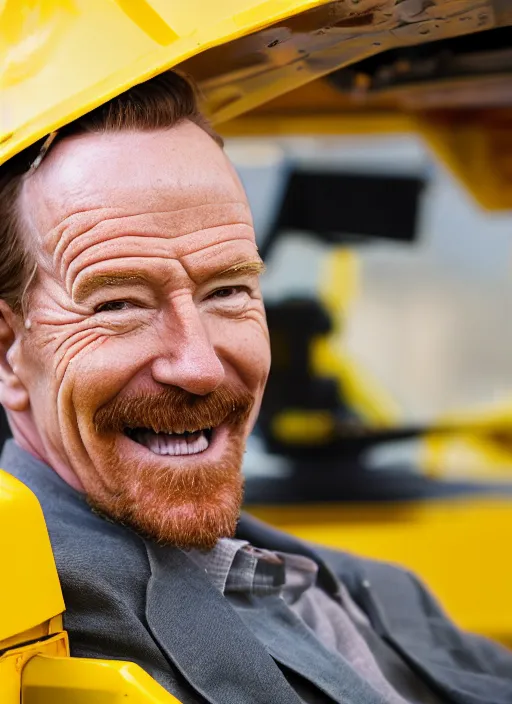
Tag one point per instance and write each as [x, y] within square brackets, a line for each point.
[203, 636]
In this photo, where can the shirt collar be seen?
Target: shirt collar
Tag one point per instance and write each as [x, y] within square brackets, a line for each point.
[235, 566]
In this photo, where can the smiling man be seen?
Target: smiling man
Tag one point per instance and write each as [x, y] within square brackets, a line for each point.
[134, 356]
[145, 322]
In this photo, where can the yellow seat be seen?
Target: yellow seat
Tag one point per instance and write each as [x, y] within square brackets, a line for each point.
[35, 665]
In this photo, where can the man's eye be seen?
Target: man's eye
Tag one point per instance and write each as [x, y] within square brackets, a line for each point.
[228, 291]
[112, 306]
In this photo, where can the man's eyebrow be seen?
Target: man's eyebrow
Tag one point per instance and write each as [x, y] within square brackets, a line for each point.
[86, 288]
[254, 267]
[92, 284]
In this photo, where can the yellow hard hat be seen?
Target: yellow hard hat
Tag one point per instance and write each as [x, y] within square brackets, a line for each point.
[61, 58]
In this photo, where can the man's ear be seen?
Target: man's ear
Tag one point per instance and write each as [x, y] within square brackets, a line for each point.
[13, 394]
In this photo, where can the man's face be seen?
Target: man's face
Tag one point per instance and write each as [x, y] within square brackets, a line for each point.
[145, 353]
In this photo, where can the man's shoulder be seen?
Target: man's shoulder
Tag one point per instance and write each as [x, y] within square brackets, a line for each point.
[400, 594]
[346, 566]
[62, 506]
[83, 543]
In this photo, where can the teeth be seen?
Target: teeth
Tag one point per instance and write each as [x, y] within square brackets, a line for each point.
[172, 444]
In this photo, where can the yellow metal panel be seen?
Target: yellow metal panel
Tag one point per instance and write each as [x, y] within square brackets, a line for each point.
[362, 391]
[318, 124]
[478, 151]
[458, 548]
[338, 288]
[13, 661]
[304, 427]
[39, 632]
[475, 443]
[29, 588]
[61, 58]
[253, 70]
[466, 456]
[82, 681]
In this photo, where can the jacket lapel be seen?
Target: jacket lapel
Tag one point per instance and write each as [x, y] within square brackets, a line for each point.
[205, 638]
[293, 644]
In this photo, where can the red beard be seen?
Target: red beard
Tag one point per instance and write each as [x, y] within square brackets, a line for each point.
[192, 506]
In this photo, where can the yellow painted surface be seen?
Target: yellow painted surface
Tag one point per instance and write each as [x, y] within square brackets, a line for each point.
[338, 288]
[34, 650]
[477, 443]
[466, 456]
[478, 151]
[302, 426]
[30, 592]
[61, 58]
[49, 680]
[459, 548]
[12, 664]
[39, 632]
[332, 123]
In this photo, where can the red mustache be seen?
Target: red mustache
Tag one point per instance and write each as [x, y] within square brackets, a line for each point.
[173, 410]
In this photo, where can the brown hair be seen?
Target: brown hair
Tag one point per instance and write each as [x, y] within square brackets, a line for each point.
[160, 103]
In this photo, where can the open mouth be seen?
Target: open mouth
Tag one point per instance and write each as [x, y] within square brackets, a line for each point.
[173, 444]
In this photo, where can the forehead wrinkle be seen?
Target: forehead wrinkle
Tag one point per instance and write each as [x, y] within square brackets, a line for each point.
[60, 235]
[72, 224]
[210, 261]
[171, 268]
[70, 234]
[74, 239]
[123, 246]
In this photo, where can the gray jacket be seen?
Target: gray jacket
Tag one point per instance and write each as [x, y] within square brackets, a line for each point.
[131, 599]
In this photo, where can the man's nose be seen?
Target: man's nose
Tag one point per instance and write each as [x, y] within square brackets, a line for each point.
[188, 358]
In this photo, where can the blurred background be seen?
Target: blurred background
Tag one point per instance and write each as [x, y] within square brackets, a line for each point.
[429, 314]
[385, 429]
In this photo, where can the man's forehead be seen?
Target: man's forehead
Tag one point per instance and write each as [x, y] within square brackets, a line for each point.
[177, 170]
